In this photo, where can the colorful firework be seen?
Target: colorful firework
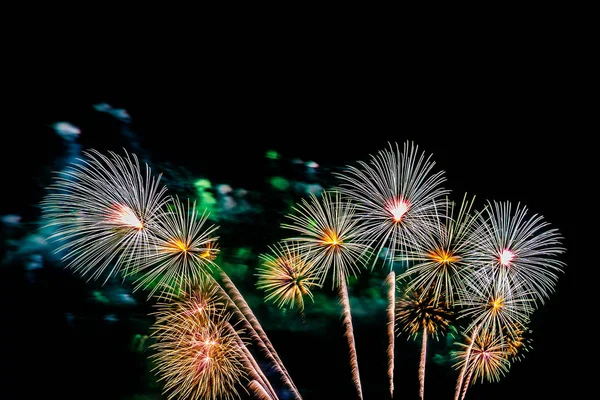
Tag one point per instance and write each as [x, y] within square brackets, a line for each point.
[286, 276]
[495, 306]
[103, 210]
[328, 237]
[198, 355]
[422, 312]
[328, 240]
[519, 248]
[181, 253]
[394, 197]
[446, 256]
[485, 357]
[517, 341]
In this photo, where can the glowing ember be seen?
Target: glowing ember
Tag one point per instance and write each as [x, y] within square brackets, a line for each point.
[125, 216]
[442, 256]
[397, 208]
[331, 239]
[497, 303]
[180, 245]
[506, 257]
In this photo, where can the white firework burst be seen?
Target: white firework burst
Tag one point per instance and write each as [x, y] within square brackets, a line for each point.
[103, 210]
[394, 196]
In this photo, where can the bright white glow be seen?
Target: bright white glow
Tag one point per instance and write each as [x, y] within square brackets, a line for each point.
[506, 257]
[125, 216]
[397, 208]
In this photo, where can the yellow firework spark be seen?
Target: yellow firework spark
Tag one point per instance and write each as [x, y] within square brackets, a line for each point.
[198, 354]
[486, 357]
[417, 310]
[328, 237]
[286, 276]
[181, 253]
[443, 258]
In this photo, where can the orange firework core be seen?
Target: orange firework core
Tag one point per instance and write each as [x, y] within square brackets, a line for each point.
[330, 238]
[397, 208]
[506, 257]
[497, 303]
[443, 256]
[210, 252]
[180, 245]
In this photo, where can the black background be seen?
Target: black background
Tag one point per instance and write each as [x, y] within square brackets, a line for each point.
[504, 126]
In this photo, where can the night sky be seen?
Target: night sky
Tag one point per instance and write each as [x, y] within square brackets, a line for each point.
[497, 137]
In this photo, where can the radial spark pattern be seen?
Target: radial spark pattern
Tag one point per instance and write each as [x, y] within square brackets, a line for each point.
[181, 254]
[103, 210]
[486, 358]
[520, 248]
[328, 237]
[394, 196]
[416, 310]
[198, 355]
[286, 276]
[444, 258]
[495, 306]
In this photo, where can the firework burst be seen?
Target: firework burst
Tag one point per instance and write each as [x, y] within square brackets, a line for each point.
[103, 210]
[328, 237]
[484, 357]
[286, 276]
[394, 197]
[422, 312]
[181, 253]
[496, 306]
[520, 249]
[517, 341]
[198, 355]
[445, 257]
[328, 240]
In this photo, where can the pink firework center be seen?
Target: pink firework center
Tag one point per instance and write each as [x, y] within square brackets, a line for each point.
[506, 257]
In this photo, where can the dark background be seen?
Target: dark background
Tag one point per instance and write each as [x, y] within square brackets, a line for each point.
[503, 129]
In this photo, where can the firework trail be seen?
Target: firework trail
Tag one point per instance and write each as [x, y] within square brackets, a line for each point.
[328, 240]
[104, 210]
[422, 363]
[465, 364]
[257, 374]
[419, 312]
[259, 391]
[391, 281]
[345, 302]
[244, 310]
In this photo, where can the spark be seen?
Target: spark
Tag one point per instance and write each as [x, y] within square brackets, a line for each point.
[394, 195]
[506, 257]
[286, 276]
[103, 210]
